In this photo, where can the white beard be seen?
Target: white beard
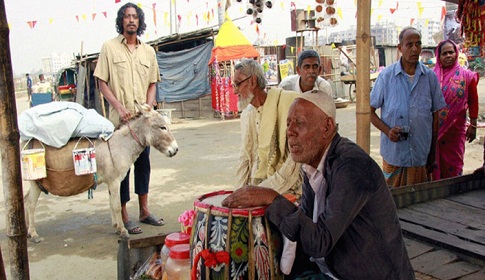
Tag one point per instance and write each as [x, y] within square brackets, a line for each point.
[243, 103]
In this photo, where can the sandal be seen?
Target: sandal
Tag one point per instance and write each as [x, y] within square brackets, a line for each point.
[133, 228]
[151, 220]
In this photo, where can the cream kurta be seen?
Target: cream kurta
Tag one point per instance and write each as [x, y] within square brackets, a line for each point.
[265, 159]
[128, 74]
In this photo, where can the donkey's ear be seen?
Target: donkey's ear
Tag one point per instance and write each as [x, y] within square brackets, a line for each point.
[142, 107]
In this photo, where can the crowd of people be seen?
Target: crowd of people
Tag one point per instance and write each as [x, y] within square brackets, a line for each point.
[328, 198]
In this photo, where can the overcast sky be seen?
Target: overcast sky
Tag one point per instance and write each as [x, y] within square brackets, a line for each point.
[67, 26]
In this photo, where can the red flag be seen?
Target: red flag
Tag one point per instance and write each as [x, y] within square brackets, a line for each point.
[443, 12]
[31, 24]
[117, 1]
[77, 18]
[411, 22]
[393, 10]
[93, 16]
[105, 14]
[197, 20]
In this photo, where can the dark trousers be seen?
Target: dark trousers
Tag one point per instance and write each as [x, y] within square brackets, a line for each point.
[142, 177]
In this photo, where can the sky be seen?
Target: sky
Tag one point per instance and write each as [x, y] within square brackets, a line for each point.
[39, 28]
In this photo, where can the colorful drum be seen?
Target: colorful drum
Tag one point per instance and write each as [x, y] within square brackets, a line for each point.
[242, 237]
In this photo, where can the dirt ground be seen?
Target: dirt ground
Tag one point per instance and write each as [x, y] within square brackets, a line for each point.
[79, 240]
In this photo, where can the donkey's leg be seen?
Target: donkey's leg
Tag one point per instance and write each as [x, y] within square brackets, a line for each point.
[115, 207]
[30, 201]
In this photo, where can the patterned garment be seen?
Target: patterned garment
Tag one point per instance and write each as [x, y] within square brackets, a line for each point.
[401, 176]
[459, 87]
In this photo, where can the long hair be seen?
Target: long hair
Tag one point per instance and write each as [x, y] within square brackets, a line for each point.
[141, 19]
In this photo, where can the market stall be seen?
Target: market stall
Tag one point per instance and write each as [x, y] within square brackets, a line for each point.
[230, 45]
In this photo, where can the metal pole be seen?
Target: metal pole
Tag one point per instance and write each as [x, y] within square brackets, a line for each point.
[9, 149]
[362, 85]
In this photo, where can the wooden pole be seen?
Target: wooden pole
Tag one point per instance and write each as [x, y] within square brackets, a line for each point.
[363, 74]
[9, 149]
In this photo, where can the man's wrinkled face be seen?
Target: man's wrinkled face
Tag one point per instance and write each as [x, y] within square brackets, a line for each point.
[410, 47]
[309, 71]
[307, 129]
[130, 21]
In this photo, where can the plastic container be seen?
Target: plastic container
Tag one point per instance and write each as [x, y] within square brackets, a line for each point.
[176, 238]
[178, 263]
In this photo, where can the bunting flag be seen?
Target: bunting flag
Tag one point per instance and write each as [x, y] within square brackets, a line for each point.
[339, 13]
[443, 12]
[426, 23]
[51, 20]
[197, 20]
[83, 17]
[117, 1]
[31, 24]
[420, 11]
[105, 14]
[154, 14]
[411, 21]
[393, 10]
[77, 18]
[380, 3]
[257, 29]
[93, 16]
[165, 19]
[379, 17]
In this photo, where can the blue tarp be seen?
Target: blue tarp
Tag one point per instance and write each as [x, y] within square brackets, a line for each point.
[185, 74]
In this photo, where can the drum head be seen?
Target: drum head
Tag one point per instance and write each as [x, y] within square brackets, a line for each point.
[213, 202]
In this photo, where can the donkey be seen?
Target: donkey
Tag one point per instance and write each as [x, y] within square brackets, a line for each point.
[113, 159]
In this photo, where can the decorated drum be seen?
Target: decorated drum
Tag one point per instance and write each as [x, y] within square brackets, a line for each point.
[233, 243]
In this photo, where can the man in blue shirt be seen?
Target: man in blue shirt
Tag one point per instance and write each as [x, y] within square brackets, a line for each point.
[409, 97]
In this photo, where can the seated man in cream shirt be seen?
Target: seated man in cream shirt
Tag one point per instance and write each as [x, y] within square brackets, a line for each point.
[308, 78]
[264, 158]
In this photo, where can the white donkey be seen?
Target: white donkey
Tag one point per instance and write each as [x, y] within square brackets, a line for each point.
[113, 159]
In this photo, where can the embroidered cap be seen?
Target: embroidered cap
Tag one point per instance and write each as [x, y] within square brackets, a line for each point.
[321, 100]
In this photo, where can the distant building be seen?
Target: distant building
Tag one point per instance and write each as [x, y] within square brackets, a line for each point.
[54, 62]
[385, 33]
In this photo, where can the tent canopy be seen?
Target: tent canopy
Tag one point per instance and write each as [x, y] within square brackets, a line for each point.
[231, 44]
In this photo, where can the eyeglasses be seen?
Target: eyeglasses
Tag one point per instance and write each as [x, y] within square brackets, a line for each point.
[236, 85]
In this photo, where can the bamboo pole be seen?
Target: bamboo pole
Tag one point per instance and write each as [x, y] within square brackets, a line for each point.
[10, 155]
[362, 85]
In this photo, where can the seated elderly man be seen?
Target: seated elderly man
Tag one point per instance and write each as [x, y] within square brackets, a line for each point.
[346, 226]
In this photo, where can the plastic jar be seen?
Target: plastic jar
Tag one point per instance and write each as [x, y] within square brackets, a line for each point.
[172, 239]
[178, 263]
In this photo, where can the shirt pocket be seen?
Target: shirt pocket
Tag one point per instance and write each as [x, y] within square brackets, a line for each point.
[143, 67]
[120, 62]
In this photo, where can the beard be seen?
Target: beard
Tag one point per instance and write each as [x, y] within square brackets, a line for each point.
[242, 103]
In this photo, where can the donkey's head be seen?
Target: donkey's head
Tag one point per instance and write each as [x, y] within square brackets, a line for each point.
[155, 131]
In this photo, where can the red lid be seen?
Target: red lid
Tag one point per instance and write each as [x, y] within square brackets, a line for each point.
[177, 238]
[180, 251]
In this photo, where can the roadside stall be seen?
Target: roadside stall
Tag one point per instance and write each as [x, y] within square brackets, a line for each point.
[65, 84]
[230, 46]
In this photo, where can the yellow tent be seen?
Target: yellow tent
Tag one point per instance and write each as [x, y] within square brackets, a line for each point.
[231, 44]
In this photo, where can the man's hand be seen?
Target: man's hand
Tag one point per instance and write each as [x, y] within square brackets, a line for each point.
[394, 134]
[250, 196]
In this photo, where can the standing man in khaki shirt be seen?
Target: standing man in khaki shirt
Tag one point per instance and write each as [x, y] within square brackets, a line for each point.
[127, 71]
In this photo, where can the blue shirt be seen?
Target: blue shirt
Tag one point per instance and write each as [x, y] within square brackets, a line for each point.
[406, 104]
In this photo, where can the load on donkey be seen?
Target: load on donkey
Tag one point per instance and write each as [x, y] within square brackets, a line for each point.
[113, 160]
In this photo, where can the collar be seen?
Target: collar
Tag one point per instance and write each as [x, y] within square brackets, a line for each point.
[122, 40]
[298, 88]
[399, 70]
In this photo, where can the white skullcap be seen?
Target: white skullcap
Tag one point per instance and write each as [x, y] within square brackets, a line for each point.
[321, 100]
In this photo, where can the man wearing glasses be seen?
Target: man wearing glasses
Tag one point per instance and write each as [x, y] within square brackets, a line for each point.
[264, 157]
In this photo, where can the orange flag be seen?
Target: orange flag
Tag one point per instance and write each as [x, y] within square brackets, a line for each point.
[411, 22]
[443, 12]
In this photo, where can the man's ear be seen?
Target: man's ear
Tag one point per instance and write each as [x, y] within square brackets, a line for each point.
[298, 70]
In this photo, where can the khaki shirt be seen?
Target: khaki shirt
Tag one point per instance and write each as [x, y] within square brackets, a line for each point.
[128, 74]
